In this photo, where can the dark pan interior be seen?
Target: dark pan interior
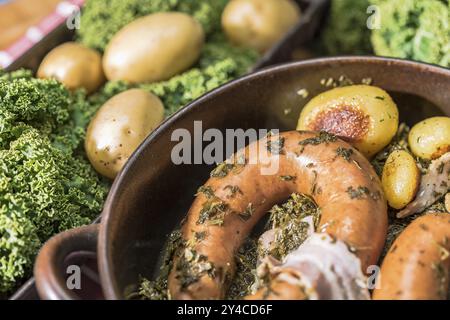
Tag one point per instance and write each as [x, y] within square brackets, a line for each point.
[152, 195]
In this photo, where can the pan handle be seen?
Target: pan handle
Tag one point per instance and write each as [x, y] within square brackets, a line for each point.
[50, 281]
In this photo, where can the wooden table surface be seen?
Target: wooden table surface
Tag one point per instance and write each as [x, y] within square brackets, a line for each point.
[16, 16]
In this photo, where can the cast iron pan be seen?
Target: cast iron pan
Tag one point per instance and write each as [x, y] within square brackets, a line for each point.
[151, 195]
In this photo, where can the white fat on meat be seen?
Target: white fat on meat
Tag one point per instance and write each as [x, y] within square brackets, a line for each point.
[433, 185]
[324, 267]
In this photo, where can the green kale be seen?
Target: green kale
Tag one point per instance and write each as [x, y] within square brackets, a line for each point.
[101, 19]
[46, 184]
[410, 29]
[414, 29]
[345, 31]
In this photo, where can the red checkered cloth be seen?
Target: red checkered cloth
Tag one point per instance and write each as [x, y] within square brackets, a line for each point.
[64, 12]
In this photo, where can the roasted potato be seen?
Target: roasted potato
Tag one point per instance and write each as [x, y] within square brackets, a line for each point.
[118, 128]
[430, 138]
[365, 116]
[400, 179]
[154, 48]
[74, 65]
[259, 24]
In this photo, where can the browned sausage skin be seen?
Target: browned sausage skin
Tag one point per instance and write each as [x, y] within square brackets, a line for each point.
[341, 181]
[417, 265]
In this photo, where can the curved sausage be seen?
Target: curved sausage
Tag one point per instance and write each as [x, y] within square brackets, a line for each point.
[417, 265]
[340, 180]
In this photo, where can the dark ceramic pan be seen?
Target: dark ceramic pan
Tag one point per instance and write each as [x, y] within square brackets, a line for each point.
[313, 13]
[151, 195]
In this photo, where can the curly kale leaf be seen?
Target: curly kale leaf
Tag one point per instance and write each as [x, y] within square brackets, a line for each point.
[346, 31]
[46, 184]
[101, 19]
[414, 29]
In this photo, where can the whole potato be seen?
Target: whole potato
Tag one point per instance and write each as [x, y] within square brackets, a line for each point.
[259, 24]
[430, 138]
[400, 179]
[365, 116]
[119, 127]
[154, 48]
[74, 65]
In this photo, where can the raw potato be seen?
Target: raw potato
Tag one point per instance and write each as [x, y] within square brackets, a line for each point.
[430, 138]
[73, 65]
[365, 116]
[119, 127]
[154, 48]
[400, 179]
[259, 24]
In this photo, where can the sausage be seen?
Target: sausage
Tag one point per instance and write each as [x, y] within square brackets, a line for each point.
[417, 265]
[339, 179]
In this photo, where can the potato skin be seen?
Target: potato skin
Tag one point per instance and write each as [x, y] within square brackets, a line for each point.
[365, 116]
[154, 48]
[430, 138]
[118, 128]
[74, 65]
[259, 24]
[400, 179]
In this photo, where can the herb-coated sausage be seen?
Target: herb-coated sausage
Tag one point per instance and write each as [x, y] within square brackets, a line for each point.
[339, 179]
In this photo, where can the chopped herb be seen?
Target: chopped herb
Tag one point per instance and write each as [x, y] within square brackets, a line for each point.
[214, 211]
[157, 289]
[367, 81]
[379, 97]
[303, 93]
[233, 190]
[362, 193]
[191, 266]
[288, 219]
[207, 191]
[248, 212]
[440, 168]
[342, 81]
[323, 137]
[359, 193]
[288, 178]
[275, 146]
[244, 278]
[199, 236]
[222, 170]
[314, 185]
[344, 153]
